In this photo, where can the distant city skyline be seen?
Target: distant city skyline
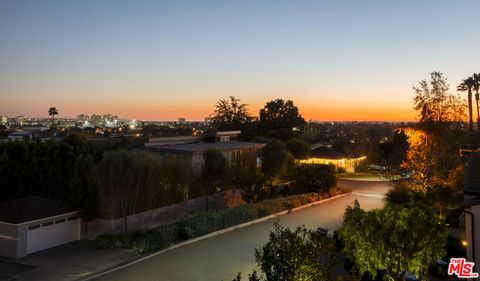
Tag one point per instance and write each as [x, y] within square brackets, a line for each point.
[161, 60]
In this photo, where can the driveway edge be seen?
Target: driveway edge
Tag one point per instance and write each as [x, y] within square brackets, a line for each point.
[138, 259]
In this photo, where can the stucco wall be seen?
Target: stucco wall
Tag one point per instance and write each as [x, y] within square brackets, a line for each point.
[161, 216]
[470, 243]
[12, 241]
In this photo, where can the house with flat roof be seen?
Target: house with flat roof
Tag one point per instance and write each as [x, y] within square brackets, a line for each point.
[32, 224]
[191, 148]
[329, 156]
[30, 133]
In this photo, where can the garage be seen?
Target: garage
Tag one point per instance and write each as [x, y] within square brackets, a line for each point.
[33, 224]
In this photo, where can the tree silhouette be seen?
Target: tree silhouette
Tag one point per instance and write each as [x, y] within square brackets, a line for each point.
[281, 119]
[476, 86]
[467, 86]
[438, 109]
[52, 111]
[215, 172]
[230, 114]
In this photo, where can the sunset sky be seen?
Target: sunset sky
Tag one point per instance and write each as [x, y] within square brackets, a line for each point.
[160, 60]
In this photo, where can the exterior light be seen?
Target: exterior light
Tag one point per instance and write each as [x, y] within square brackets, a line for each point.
[464, 243]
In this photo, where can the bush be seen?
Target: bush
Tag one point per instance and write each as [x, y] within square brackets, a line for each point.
[107, 241]
[211, 221]
[148, 241]
[204, 223]
[341, 170]
[215, 220]
[313, 178]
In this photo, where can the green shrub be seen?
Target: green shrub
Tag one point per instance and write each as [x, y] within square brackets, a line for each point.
[215, 220]
[107, 241]
[204, 223]
[341, 170]
[148, 241]
[313, 178]
[211, 221]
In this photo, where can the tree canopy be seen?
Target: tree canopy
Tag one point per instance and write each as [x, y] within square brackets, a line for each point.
[230, 114]
[395, 239]
[281, 119]
[313, 178]
[435, 105]
[276, 160]
[292, 255]
[215, 171]
[300, 149]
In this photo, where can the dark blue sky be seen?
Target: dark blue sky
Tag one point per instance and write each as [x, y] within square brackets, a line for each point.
[350, 60]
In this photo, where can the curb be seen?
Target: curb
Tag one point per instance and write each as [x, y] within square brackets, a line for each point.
[138, 259]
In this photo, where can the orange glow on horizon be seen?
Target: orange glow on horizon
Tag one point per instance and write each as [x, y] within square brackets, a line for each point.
[197, 110]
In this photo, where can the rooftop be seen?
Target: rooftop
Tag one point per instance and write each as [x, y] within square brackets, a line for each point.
[202, 147]
[21, 133]
[327, 153]
[32, 208]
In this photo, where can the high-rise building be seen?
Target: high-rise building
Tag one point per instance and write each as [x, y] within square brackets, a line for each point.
[21, 119]
[3, 120]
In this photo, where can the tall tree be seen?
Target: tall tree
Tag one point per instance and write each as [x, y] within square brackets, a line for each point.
[281, 119]
[300, 149]
[437, 108]
[276, 160]
[215, 172]
[230, 114]
[247, 178]
[52, 111]
[395, 239]
[114, 179]
[467, 86]
[476, 86]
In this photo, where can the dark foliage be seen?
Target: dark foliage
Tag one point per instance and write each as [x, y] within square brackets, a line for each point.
[281, 120]
[313, 178]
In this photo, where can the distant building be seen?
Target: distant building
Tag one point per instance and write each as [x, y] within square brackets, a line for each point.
[208, 120]
[95, 120]
[181, 120]
[191, 148]
[30, 133]
[326, 155]
[3, 120]
[20, 120]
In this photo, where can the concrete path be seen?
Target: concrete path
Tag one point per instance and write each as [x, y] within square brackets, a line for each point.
[221, 257]
[67, 262]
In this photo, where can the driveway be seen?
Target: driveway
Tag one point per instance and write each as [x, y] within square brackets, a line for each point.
[67, 262]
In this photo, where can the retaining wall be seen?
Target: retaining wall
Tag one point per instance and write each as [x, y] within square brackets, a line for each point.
[161, 216]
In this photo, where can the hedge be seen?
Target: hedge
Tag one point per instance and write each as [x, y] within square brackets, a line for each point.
[205, 223]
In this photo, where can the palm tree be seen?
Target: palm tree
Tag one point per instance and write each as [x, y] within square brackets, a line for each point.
[52, 112]
[476, 86]
[467, 85]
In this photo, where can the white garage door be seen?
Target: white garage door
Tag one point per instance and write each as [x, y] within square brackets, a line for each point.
[52, 233]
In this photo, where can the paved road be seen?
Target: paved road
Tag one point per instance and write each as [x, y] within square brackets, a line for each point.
[221, 257]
